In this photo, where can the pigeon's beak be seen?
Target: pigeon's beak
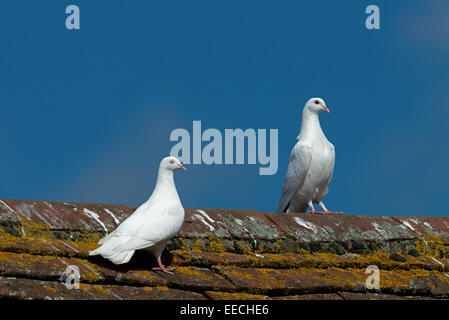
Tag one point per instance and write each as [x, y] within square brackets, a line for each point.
[326, 109]
[182, 167]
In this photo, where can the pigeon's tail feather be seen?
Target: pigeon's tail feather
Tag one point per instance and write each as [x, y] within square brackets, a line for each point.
[109, 251]
[104, 239]
[282, 208]
[297, 209]
[120, 257]
[115, 257]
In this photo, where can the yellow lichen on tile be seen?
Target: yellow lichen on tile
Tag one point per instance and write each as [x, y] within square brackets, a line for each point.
[216, 246]
[195, 273]
[237, 273]
[235, 295]
[197, 245]
[243, 246]
[433, 245]
[162, 288]
[50, 288]
[102, 290]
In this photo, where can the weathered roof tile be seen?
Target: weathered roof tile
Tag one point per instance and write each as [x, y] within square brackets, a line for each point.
[378, 296]
[70, 216]
[313, 296]
[426, 225]
[292, 281]
[218, 295]
[223, 254]
[339, 232]
[49, 290]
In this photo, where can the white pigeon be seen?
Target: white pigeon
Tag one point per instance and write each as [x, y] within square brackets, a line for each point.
[152, 225]
[310, 166]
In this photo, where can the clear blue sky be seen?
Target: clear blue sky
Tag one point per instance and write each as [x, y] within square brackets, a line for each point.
[86, 114]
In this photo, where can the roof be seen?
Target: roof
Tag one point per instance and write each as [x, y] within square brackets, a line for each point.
[223, 254]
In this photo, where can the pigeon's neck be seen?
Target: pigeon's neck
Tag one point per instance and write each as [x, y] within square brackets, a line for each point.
[310, 126]
[165, 185]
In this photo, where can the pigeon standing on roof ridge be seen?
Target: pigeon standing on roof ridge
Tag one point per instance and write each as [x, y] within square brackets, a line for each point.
[310, 166]
[152, 225]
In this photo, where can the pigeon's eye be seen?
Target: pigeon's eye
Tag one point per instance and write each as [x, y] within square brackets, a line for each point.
[317, 102]
[172, 161]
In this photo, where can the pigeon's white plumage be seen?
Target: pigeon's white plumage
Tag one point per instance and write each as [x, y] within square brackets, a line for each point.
[152, 225]
[310, 166]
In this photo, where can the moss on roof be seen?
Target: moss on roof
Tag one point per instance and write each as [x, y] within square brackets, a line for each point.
[271, 257]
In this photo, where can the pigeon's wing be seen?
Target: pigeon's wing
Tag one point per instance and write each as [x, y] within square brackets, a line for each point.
[331, 166]
[147, 229]
[129, 226]
[134, 243]
[298, 166]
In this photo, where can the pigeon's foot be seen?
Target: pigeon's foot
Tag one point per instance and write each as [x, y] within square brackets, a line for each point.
[325, 211]
[165, 270]
[162, 267]
[331, 212]
[312, 209]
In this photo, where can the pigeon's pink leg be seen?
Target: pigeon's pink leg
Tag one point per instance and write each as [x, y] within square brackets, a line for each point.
[162, 267]
[312, 209]
[325, 211]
